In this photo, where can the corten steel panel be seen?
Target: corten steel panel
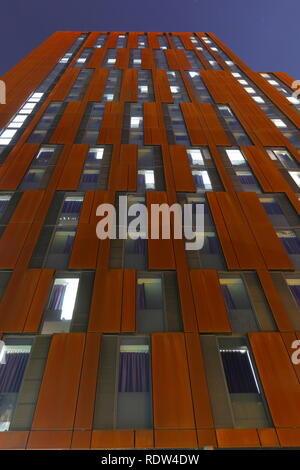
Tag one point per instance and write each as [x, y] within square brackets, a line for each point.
[28, 206]
[25, 77]
[56, 405]
[171, 58]
[182, 60]
[176, 438]
[144, 439]
[96, 86]
[153, 41]
[112, 40]
[161, 78]
[72, 170]
[129, 90]
[132, 42]
[147, 59]
[122, 59]
[200, 394]
[237, 438]
[16, 165]
[126, 170]
[274, 254]
[106, 307]
[289, 437]
[181, 169]
[63, 87]
[13, 440]
[17, 299]
[285, 78]
[117, 439]
[67, 127]
[97, 58]
[129, 301]
[85, 248]
[154, 134]
[239, 246]
[172, 397]
[88, 383]
[209, 302]
[49, 440]
[274, 300]
[278, 378]
[268, 437]
[38, 303]
[12, 243]
[81, 440]
[111, 128]
[160, 251]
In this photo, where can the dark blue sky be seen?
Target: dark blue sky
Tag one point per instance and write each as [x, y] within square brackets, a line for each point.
[264, 33]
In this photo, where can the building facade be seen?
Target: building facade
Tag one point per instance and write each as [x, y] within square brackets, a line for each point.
[143, 343]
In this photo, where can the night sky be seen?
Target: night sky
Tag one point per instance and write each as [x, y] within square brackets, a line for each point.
[264, 33]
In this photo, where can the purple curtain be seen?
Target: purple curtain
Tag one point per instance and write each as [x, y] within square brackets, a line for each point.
[141, 181]
[68, 244]
[71, 207]
[11, 373]
[141, 296]
[238, 372]
[139, 246]
[90, 178]
[30, 177]
[199, 181]
[286, 160]
[296, 293]
[228, 297]
[247, 179]
[292, 245]
[134, 372]
[213, 245]
[57, 297]
[272, 208]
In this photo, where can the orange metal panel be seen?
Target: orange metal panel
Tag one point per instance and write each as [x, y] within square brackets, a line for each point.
[175, 439]
[71, 173]
[16, 165]
[278, 378]
[129, 85]
[119, 439]
[181, 169]
[56, 405]
[85, 248]
[13, 440]
[172, 398]
[49, 440]
[237, 438]
[67, 127]
[11, 244]
[38, 303]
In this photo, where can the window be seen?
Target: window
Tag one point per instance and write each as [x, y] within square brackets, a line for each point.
[210, 256]
[96, 168]
[242, 177]
[177, 42]
[133, 128]
[247, 306]
[150, 169]
[233, 125]
[47, 123]
[8, 204]
[90, 125]
[101, 40]
[288, 287]
[135, 59]
[291, 242]
[20, 379]
[110, 59]
[175, 125]
[122, 40]
[54, 246]
[163, 41]
[80, 85]
[83, 58]
[68, 303]
[235, 391]
[282, 157]
[157, 302]
[194, 60]
[177, 87]
[41, 168]
[113, 86]
[200, 89]
[123, 395]
[145, 86]
[160, 60]
[142, 41]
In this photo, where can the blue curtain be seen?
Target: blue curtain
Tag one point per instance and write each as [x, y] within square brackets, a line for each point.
[272, 208]
[71, 207]
[141, 181]
[141, 296]
[139, 246]
[199, 181]
[296, 293]
[57, 297]
[247, 179]
[11, 373]
[292, 245]
[68, 244]
[228, 297]
[134, 372]
[90, 178]
[213, 245]
[30, 177]
[238, 372]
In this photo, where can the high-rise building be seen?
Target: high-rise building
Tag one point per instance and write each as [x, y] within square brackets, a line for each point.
[144, 343]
